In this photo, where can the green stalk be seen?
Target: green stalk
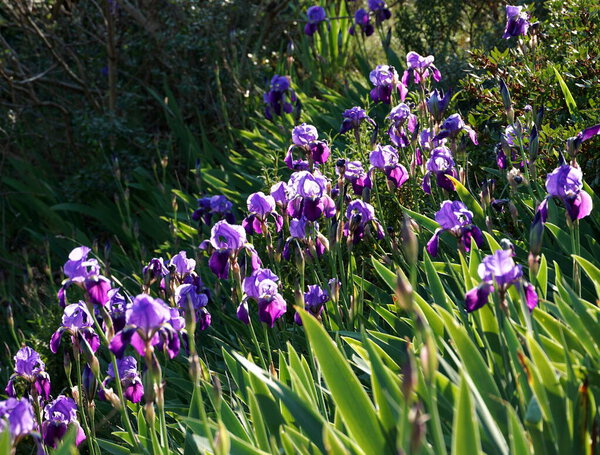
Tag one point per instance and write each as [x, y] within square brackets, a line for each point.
[267, 343]
[438, 435]
[257, 344]
[80, 402]
[123, 408]
[576, 249]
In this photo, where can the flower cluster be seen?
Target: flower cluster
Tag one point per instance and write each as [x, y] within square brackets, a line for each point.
[281, 98]
[455, 218]
[386, 159]
[517, 22]
[129, 376]
[499, 272]
[305, 138]
[315, 15]
[17, 413]
[210, 207]
[84, 273]
[261, 286]
[386, 81]
[566, 184]
[314, 301]
[30, 370]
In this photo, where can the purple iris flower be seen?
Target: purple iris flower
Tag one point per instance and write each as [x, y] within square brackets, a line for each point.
[29, 368]
[455, 218]
[190, 292]
[386, 158]
[305, 138]
[380, 10]
[97, 287]
[440, 164]
[517, 22]
[437, 103]
[262, 286]
[354, 173]
[359, 216]
[421, 68]
[428, 141]
[362, 20]
[133, 389]
[281, 194]
[298, 228]
[280, 97]
[58, 415]
[315, 14]
[453, 125]
[227, 240]
[499, 272]
[261, 281]
[261, 207]
[182, 264]
[310, 196]
[512, 135]
[18, 415]
[574, 143]
[306, 236]
[79, 267]
[194, 292]
[213, 206]
[385, 79]
[242, 312]
[148, 324]
[314, 301]
[398, 117]
[155, 270]
[566, 183]
[353, 117]
[304, 134]
[84, 273]
[508, 145]
[117, 307]
[77, 322]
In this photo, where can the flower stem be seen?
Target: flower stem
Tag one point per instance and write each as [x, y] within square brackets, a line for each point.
[91, 437]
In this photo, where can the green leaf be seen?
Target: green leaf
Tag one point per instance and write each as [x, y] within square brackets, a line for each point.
[333, 444]
[422, 220]
[571, 105]
[435, 284]
[517, 436]
[492, 242]
[5, 440]
[386, 274]
[111, 447]
[306, 416]
[258, 424]
[386, 392]
[202, 443]
[476, 367]
[351, 399]
[591, 270]
[465, 430]
[542, 277]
